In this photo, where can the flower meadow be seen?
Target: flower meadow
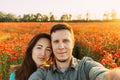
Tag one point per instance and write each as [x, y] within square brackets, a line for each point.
[99, 40]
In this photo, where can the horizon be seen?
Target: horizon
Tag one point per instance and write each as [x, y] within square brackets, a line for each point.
[74, 7]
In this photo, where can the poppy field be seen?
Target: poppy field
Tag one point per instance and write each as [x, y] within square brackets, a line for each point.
[99, 40]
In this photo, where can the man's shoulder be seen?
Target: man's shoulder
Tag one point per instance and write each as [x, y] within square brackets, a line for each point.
[87, 63]
[83, 60]
[87, 59]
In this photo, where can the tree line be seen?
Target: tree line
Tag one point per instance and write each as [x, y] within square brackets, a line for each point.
[38, 17]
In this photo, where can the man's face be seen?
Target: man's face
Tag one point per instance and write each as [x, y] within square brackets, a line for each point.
[62, 44]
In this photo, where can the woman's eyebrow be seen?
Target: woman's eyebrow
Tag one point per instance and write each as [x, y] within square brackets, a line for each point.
[39, 45]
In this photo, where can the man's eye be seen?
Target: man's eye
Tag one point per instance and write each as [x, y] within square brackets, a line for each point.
[56, 41]
[65, 40]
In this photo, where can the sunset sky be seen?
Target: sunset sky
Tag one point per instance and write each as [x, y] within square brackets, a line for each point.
[58, 7]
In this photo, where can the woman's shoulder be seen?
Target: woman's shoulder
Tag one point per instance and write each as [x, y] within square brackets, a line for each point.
[12, 75]
[14, 68]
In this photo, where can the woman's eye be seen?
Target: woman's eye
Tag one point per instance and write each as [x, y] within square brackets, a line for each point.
[49, 50]
[38, 47]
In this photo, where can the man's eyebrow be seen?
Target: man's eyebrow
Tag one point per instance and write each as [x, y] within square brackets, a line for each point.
[55, 40]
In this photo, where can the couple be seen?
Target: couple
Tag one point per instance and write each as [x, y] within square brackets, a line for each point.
[65, 66]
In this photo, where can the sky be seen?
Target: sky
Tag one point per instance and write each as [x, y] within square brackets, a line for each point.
[58, 7]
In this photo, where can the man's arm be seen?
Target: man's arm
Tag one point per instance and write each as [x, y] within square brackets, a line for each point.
[113, 74]
[97, 72]
[93, 68]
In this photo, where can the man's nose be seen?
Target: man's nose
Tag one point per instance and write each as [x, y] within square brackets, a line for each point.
[61, 45]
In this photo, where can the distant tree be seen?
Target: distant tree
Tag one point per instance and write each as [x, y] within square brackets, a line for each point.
[87, 16]
[10, 17]
[52, 17]
[79, 17]
[38, 17]
[69, 17]
[32, 17]
[44, 17]
[18, 18]
[66, 17]
[106, 16]
[113, 14]
[2, 16]
[26, 17]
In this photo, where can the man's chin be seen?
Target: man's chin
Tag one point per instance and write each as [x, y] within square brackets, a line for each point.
[62, 60]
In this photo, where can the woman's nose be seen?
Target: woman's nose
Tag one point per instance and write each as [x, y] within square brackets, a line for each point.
[43, 52]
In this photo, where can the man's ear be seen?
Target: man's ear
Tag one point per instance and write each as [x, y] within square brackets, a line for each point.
[73, 43]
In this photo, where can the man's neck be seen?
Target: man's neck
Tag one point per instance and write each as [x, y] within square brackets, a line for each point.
[65, 64]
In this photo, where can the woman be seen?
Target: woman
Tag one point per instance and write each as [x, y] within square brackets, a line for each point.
[38, 53]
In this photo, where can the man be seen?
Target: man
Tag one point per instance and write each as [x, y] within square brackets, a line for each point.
[65, 66]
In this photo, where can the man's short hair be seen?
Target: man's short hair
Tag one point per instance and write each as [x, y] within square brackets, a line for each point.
[62, 26]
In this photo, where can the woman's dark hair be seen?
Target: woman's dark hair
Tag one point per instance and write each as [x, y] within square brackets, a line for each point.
[28, 66]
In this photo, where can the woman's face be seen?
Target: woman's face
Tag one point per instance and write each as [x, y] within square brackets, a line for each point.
[41, 51]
